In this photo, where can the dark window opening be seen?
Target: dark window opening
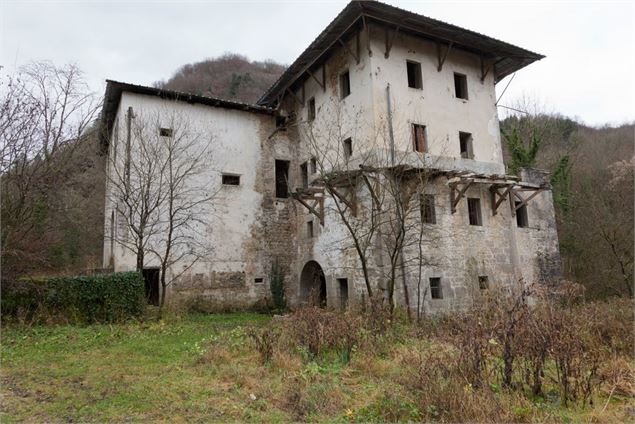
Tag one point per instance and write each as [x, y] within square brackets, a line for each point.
[345, 84]
[460, 86]
[414, 74]
[282, 179]
[483, 282]
[259, 280]
[311, 111]
[343, 288]
[281, 121]
[151, 278]
[231, 179]
[309, 229]
[313, 165]
[419, 138]
[465, 142]
[435, 288]
[522, 220]
[165, 132]
[304, 172]
[474, 211]
[428, 212]
[348, 148]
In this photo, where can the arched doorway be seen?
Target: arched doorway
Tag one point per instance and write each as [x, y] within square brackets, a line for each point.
[313, 284]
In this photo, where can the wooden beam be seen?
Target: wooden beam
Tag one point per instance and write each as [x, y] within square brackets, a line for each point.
[484, 70]
[455, 199]
[355, 56]
[295, 97]
[319, 215]
[501, 197]
[390, 38]
[350, 204]
[321, 84]
[367, 31]
[371, 190]
[441, 57]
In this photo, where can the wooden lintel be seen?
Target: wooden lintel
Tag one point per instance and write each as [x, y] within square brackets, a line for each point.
[390, 38]
[321, 84]
[460, 193]
[442, 56]
[355, 56]
[484, 69]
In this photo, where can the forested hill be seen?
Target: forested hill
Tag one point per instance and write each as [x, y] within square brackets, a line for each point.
[230, 76]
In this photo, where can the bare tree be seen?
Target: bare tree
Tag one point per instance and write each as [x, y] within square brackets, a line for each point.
[375, 192]
[159, 191]
[46, 113]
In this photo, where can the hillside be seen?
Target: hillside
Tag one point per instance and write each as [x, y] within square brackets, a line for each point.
[230, 76]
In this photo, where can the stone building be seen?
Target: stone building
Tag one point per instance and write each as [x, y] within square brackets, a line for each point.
[383, 101]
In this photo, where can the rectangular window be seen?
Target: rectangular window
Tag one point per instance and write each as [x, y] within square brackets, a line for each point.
[428, 211]
[304, 172]
[313, 166]
[165, 132]
[345, 84]
[343, 287]
[229, 179]
[522, 220]
[259, 280]
[348, 148]
[282, 179]
[474, 211]
[281, 121]
[435, 288]
[311, 111]
[419, 138]
[465, 142]
[483, 282]
[460, 86]
[309, 229]
[414, 74]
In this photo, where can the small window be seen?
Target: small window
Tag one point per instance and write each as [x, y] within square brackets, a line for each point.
[465, 142]
[311, 111]
[474, 211]
[414, 74]
[435, 288]
[348, 148]
[460, 86]
[281, 121]
[522, 220]
[229, 179]
[419, 138]
[304, 172]
[309, 229]
[313, 165]
[428, 212]
[343, 288]
[483, 282]
[165, 132]
[345, 84]
[282, 179]
[259, 280]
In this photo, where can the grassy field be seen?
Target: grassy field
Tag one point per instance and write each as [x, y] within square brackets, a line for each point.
[205, 368]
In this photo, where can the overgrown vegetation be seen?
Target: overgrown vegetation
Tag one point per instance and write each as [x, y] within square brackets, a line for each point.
[96, 298]
[324, 366]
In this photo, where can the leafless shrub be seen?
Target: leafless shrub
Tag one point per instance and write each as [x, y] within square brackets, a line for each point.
[265, 341]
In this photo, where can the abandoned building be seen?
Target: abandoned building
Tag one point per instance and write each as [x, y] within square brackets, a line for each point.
[382, 98]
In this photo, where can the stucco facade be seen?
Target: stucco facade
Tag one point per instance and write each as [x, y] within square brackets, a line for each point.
[357, 91]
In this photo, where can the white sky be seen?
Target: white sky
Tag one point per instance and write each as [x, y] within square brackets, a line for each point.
[589, 71]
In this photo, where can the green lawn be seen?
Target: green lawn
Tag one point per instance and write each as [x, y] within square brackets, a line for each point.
[200, 368]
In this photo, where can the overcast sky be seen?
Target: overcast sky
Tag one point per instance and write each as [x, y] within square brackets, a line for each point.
[589, 71]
